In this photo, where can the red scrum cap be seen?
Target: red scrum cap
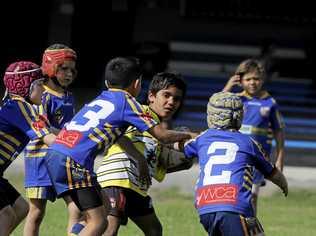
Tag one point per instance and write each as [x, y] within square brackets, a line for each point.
[52, 58]
[19, 76]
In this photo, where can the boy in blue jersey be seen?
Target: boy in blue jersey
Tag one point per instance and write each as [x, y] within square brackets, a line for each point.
[94, 129]
[262, 119]
[226, 158]
[19, 123]
[59, 67]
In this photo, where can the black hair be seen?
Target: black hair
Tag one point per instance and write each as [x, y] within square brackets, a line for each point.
[120, 72]
[163, 80]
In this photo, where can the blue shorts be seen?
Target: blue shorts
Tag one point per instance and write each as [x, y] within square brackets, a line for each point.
[66, 174]
[44, 192]
[230, 224]
[36, 174]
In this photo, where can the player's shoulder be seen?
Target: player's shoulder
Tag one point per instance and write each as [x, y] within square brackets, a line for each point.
[49, 92]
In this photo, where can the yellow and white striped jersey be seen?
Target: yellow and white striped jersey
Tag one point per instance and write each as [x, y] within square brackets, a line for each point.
[120, 169]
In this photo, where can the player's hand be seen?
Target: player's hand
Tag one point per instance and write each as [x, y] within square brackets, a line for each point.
[192, 134]
[285, 189]
[233, 81]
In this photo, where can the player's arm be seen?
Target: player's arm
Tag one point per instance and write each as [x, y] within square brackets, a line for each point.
[173, 160]
[233, 81]
[270, 172]
[130, 149]
[279, 179]
[280, 152]
[169, 136]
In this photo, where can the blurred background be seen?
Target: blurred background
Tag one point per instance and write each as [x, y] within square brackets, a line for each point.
[203, 40]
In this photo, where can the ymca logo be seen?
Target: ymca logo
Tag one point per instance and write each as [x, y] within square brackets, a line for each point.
[217, 193]
[68, 137]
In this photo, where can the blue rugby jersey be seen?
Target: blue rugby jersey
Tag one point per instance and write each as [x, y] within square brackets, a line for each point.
[98, 125]
[19, 123]
[58, 108]
[226, 159]
[261, 118]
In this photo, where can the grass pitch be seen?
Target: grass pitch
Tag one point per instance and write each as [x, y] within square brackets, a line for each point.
[280, 216]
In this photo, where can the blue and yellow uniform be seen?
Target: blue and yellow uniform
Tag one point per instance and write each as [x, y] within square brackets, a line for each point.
[58, 108]
[92, 130]
[119, 169]
[226, 159]
[19, 123]
[261, 118]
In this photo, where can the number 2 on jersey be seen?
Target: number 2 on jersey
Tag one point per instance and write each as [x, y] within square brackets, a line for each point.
[215, 159]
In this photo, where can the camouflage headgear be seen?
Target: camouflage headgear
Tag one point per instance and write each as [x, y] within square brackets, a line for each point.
[224, 111]
[19, 76]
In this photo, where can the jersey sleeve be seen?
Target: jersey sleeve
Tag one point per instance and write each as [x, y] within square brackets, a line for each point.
[46, 102]
[137, 116]
[276, 119]
[261, 159]
[191, 148]
[25, 117]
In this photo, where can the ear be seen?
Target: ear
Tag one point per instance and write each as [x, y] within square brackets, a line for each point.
[137, 83]
[151, 97]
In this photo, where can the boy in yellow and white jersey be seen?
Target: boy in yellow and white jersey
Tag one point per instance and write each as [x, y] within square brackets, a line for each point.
[118, 173]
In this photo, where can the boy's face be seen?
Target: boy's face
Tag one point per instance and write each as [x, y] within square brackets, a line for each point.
[66, 73]
[165, 102]
[252, 83]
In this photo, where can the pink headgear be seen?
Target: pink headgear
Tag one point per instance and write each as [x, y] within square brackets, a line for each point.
[52, 58]
[19, 76]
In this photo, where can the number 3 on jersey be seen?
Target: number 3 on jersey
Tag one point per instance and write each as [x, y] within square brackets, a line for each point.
[93, 117]
[215, 159]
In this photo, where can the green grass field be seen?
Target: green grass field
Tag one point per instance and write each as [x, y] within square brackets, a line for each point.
[291, 216]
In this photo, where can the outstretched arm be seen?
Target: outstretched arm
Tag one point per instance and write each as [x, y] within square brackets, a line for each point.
[279, 179]
[279, 139]
[169, 136]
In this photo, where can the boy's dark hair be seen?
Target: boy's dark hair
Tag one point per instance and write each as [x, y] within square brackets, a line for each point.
[163, 80]
[120, 72]
[251, 65]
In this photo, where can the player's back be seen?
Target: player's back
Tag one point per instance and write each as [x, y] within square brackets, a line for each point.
[98, 124]
[17, 125]
[226, 159]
